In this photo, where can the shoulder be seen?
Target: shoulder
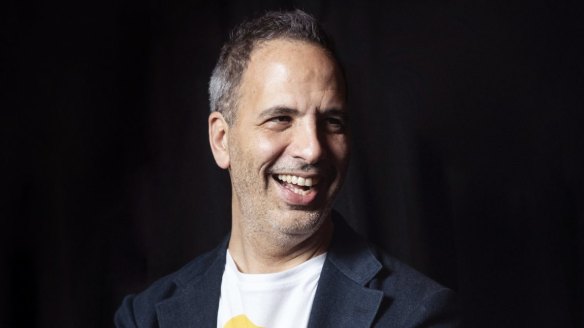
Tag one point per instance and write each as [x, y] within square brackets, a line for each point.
[400, 278]
[420, 301]
[409, 298]
[139, 310]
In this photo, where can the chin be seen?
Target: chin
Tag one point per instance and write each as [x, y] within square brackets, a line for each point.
[301, 223]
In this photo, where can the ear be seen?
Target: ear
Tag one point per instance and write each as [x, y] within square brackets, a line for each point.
[218, 133]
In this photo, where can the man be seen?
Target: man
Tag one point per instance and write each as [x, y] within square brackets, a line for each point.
[279, 124]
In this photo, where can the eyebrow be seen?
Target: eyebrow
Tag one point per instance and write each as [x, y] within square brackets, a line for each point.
[287, 111]
[336, 112]
[278, 111]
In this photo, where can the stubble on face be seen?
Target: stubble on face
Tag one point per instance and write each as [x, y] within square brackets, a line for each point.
[257, 153]
[258, 216]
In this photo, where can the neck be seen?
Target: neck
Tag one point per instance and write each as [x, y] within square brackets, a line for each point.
[257, 252]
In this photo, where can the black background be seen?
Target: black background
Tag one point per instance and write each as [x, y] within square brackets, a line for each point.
[467, 160]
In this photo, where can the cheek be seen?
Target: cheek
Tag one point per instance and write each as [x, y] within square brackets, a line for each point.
[339, 147]
[268, 146]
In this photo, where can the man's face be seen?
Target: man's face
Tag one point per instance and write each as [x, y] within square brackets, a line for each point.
[288, 145]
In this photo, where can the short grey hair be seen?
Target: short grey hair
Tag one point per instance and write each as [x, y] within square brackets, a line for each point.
[236, 52]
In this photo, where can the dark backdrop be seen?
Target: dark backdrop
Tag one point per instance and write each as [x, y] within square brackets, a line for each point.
[467, 158]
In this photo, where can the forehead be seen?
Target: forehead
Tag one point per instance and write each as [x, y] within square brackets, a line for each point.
[291, 73]
[290, 51]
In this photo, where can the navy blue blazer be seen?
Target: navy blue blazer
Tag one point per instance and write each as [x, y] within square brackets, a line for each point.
[359, 286]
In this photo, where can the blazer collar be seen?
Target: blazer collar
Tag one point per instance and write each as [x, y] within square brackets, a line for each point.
[342, 298]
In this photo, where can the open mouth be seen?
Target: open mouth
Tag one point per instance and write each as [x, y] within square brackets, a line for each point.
[298, 185]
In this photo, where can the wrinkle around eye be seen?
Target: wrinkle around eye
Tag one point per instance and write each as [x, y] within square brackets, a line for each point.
[278, 123]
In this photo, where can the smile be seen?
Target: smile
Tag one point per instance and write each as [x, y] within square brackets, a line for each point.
[298, 185]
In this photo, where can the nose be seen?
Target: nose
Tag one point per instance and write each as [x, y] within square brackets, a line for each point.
[307, 143]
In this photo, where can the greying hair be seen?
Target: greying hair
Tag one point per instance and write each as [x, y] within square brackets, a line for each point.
[236, 52]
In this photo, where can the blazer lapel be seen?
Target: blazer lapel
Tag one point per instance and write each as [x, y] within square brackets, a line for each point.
[196, 305]
[342, 298]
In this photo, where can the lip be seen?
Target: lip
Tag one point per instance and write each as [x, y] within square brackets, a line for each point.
[298, 174]
[292, 198]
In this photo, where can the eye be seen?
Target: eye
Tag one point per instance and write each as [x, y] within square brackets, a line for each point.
[281, 119]
[278, 123]
[334, 124]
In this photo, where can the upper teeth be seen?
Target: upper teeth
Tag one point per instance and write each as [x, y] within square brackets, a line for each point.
[300, 181]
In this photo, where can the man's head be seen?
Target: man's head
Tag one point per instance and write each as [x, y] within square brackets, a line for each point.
[235, 54]
[287, 146]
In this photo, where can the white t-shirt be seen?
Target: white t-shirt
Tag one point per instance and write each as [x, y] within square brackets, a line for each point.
[272, 300]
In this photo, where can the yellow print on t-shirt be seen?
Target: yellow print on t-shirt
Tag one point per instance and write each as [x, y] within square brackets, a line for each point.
[240, 321]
